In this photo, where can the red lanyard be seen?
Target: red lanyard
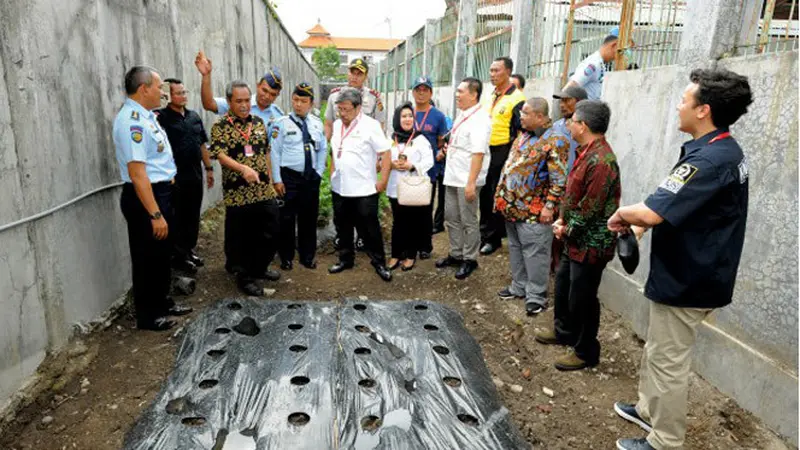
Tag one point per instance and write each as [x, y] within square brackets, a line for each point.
[522, 142]
[455, 128]
[418, 126]
[344, 135]
[720, 137]
[406, 144]
[245, 136]
[497, 98]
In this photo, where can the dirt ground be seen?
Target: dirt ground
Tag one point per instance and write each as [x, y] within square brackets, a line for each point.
[118, 371]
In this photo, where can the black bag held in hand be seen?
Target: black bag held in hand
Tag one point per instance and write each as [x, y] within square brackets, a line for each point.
[628, 251]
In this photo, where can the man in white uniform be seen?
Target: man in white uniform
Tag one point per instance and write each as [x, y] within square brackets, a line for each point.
[589, 73]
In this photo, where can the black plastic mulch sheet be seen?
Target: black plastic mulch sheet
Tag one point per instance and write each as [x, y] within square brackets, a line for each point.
[309, 375]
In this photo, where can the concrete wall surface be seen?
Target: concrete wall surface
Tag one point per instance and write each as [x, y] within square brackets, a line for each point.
[62, 66]
[748, 349]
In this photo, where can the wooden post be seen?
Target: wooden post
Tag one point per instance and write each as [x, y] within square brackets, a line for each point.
[625, 29]
[568, 43]
[763, 39]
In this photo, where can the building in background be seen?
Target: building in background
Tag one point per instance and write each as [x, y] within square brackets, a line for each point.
[373, 50]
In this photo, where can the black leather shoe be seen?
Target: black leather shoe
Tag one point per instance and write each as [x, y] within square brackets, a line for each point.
[159, 324]
[184, 266]
[340, 267]
[309, 264]
[488, 249]
[286, 265]
[424, 255]
[252, 288]
[466, 269]
[270, 275]
[450, 261]
[383, 272]
[196, 260]
[179, 310]
[437, 230]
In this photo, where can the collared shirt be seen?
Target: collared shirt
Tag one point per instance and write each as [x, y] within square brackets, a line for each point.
[469, 135]
[355, 152]
[371, 105]
[505, 112]
[560, 126]
[592, 196]
[268, 114]
[589, 75]
[419, 154]
[228, 138]
[186, 134]
[432, 127]
[696, 250]
[535, 173]
[139, 137]
[288, 149]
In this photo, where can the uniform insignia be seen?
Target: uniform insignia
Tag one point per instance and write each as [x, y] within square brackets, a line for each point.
[380, 106]
[375, 93]
[678, 178]
[589, 69]
[136, 133]
[160, 147]
[135, 115]
[275, 133]
[502, 110]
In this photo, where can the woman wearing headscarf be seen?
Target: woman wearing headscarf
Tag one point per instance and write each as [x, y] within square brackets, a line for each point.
[411, 154]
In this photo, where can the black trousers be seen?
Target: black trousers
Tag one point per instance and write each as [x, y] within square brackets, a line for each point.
[577, 308]
[438, 193]
[493, 225]
[300, 210]
[188, 200]
[150, 258]
[361, 213]
[250, 238]
[411, 230]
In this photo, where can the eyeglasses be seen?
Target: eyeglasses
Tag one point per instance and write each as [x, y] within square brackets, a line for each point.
[345, 109]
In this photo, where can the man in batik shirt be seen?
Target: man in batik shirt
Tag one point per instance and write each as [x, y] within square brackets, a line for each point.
[530, 188]
[593, 191]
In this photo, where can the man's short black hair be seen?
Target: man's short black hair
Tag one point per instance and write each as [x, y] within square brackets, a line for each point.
[474, 85]
[520, 79]
[173, 81]
[507, 62]
[594, 113]
[137, 76]
[609, 38]
[727, 93]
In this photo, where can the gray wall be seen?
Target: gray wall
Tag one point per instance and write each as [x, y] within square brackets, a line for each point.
[62, 64]
[748, 349]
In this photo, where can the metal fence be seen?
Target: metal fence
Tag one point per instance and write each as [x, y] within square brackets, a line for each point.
[567, 31]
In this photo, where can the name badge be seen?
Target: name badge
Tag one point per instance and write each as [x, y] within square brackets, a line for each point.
[248, 151]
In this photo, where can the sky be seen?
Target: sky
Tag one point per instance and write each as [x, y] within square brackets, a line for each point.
[358, 18]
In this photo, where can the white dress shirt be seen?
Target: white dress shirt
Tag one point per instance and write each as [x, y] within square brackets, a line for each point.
[469, 135]
[355, 154]
[419, 154]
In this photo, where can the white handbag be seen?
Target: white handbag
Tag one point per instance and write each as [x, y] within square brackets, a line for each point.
[414, 189]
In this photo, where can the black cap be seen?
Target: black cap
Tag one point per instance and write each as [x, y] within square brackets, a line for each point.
[575, 92]
[359, 64]
[304, 90]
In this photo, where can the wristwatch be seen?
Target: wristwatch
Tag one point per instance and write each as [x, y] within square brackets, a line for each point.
[156, 215]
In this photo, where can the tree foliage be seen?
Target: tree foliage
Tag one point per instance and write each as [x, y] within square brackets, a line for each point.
[326, 61]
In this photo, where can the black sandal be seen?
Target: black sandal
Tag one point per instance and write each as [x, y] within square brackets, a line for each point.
[407, 268]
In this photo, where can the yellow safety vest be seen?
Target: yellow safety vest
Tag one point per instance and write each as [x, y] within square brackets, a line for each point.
[501, 116]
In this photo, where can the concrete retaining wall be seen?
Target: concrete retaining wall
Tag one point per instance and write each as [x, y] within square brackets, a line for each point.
[749, 349]
[62, 66]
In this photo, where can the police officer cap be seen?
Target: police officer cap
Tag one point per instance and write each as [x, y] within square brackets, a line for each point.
[422, 81]
[578, 93]
[273, 78]
[628, 252]
[304, 90]
[359, 64]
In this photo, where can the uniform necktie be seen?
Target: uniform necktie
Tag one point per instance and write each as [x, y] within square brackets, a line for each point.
[308, 146]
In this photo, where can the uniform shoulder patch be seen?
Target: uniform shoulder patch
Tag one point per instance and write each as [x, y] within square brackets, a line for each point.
[375, 93]
[274, 132]
[590, 69]
[135, 115]
[678, 178]
[136, 133]
[336, 89]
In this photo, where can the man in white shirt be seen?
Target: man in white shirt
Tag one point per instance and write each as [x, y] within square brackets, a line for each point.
[589, 73]
[465, 173]
[356, 141]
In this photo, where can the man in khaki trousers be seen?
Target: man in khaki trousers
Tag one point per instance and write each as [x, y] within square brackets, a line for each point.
[698, 215]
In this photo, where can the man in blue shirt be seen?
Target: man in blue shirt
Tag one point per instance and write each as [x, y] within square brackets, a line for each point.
[698, 215]
[262, 102]
[146, 166]
[431, 123]
[299, 152]
[567, 99]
